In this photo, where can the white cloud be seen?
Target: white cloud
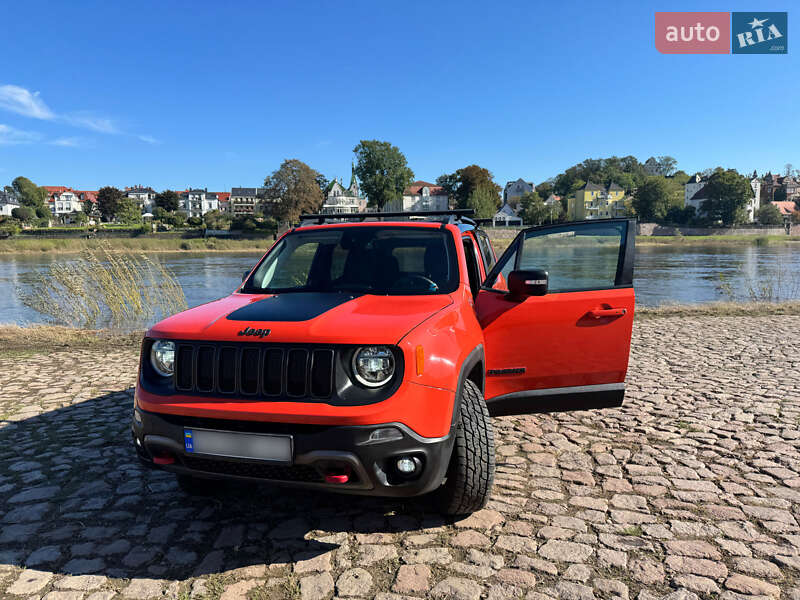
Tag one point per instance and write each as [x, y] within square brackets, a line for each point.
[67, 142]
[24, 102]
[89, 121]
[10, 135]
[21, 101]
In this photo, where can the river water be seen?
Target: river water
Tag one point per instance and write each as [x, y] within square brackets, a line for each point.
[663, 275]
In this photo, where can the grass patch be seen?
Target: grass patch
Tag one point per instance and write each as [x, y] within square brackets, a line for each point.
[19, 342]
[715, 240]
[719, 309]
[21, 245]
[291, 587]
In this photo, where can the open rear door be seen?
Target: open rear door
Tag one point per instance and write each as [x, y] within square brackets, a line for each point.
[566, 347]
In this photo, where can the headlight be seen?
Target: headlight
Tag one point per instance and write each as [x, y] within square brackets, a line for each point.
[373, 366]
[162, 357]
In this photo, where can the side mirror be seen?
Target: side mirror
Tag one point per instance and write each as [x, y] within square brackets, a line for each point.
[245, 274]
[532, 282]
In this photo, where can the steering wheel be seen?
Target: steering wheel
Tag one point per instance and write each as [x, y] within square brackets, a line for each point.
[430, 284]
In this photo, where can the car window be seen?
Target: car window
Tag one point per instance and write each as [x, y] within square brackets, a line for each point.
[486, 250]
[473, 272]
[368, 259]
[576, 258]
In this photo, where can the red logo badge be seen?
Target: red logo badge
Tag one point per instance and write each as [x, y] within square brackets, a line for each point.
[693, 32]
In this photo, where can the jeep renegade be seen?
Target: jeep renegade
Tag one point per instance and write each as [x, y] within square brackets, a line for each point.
[367, 357]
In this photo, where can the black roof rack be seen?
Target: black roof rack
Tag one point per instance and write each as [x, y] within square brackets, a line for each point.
[456, 215]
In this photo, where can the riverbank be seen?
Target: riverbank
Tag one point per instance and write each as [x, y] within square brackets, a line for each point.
[500, 240]
[16, 340]
[20, 245]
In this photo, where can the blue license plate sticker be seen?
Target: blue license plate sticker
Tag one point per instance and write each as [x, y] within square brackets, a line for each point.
[188, 440]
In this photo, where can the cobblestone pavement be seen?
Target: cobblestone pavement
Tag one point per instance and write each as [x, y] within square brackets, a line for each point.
[691, 489]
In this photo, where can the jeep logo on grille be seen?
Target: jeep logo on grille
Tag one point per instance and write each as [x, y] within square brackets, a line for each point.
[259, 333]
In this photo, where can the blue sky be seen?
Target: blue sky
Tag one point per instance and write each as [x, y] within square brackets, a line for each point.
[211, 94]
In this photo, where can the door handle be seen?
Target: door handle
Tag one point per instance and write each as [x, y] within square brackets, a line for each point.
[599, 313]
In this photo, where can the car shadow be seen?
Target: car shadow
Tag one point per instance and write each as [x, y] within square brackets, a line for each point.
[74, 499]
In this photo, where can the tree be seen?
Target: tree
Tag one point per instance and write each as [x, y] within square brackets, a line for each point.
[666, 165]
[296, 189]
[788, 168]
[29, 193]
[215, 219]
[533, 210]
[769, 214]
[463, 183]
[544, 189]
[108, 201]
[554, 212]
[728, 194]
[652, 199]
[128, 211]
[23, 213]
[482, 201]
[779, 195]
[382, 170]
[323, 182]
[680, 215]
[79, 217]
[168, 200]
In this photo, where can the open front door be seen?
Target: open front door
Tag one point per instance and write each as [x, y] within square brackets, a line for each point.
[559, 338]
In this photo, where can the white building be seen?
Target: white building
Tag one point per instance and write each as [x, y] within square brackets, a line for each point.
[691, 187]
[196, 203]
[343, 200]
[695, 192]
[63, 200]
[144, 196]
[8, 202]
[420, 196]
[506, 217]
[514, 190]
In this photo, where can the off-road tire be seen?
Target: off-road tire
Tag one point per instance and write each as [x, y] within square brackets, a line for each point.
[196, 486]
[470, 474]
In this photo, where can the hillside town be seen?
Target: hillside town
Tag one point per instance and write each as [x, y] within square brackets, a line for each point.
[771, 200]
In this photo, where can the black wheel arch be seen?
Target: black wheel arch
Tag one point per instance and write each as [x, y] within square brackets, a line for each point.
[474, 369]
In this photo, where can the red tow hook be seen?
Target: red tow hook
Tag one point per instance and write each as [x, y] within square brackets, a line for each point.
[164, 460]
[338, 477]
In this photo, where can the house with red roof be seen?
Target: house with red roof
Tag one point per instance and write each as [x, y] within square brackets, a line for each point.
[420, 196]
[787, 208]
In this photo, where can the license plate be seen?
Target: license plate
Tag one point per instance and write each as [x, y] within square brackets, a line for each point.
[231, 444]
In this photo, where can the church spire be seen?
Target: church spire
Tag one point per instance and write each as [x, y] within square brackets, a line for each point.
[352, 175]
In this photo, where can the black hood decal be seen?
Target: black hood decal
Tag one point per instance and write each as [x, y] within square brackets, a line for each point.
[295, 306]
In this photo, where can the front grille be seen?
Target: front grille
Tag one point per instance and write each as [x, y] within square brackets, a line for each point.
[252, 371]
[260, 471]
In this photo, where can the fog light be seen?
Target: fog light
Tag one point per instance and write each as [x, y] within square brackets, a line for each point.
[406, 465]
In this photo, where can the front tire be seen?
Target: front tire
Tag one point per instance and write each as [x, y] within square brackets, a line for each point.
[468, 482]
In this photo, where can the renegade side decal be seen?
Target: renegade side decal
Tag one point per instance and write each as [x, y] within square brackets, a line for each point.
[514, 371]
[295, 306]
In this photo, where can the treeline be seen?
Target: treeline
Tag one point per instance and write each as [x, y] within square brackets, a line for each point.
[654, 191]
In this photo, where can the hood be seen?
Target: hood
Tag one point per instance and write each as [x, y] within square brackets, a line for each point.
[303, 317]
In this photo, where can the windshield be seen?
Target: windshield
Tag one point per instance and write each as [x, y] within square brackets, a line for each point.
[370, 260]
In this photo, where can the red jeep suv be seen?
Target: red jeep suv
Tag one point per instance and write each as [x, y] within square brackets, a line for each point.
[367, 355]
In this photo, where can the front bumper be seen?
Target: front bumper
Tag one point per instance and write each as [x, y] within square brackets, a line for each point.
[318, 450]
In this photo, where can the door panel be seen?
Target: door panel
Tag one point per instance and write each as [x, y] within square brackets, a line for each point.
[568, 348]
